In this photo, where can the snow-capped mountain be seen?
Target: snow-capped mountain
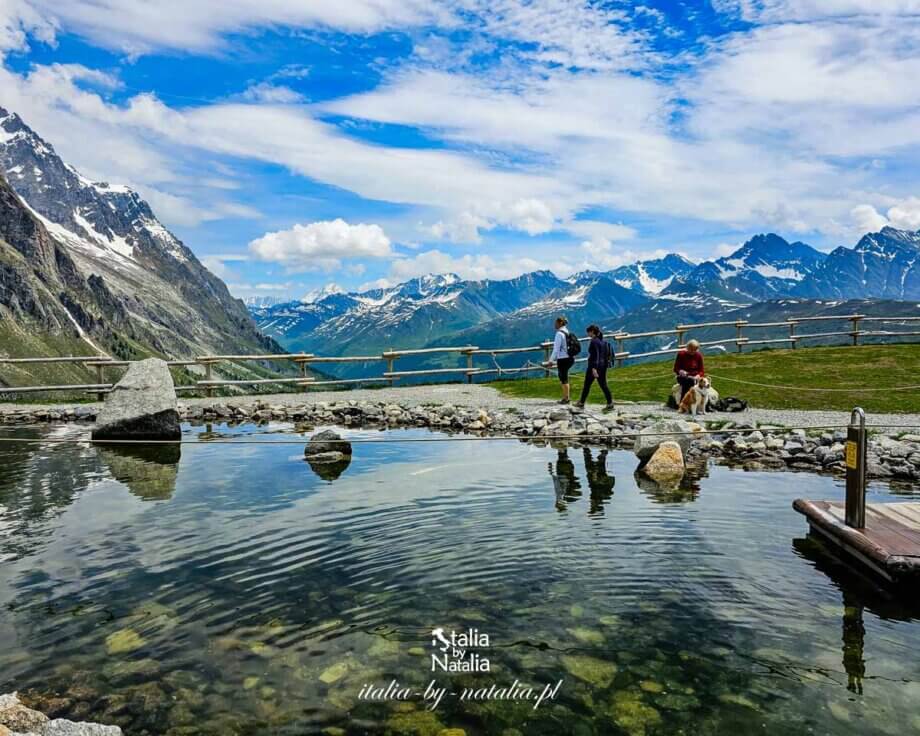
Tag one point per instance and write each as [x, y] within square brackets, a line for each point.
[316, 295]
[765, 267]
[156, 295]
[883, 265]
[653, 276]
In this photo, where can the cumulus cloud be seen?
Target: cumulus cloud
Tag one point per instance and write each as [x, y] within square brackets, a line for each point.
[867, 219]
[322, 245]
[602, 255]
[903, 215]
[470, 266]
[272, 94]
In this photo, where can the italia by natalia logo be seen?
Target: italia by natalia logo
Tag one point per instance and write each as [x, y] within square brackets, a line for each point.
[454, 651]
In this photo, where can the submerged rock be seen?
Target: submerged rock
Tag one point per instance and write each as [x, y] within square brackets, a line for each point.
[142, 405]
[592, 670]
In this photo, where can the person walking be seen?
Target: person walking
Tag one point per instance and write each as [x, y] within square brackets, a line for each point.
[562, 356]
[688, 367]
[599, 354]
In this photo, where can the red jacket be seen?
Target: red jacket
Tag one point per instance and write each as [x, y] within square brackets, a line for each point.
[690, 362]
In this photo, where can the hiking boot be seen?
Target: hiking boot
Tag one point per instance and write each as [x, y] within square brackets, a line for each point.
[609, 408]
[563, 401]
[578, 405]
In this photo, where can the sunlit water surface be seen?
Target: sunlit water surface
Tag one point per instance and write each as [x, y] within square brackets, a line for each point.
[232, 590]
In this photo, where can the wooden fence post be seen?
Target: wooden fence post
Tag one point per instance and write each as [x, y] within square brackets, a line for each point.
[208, 376]
[621, 347]
[738, 335]
[390, 363]
[680, 337]
[855, 333]
[100, 378]
[792, 324]
[469, 366]
[547, 352]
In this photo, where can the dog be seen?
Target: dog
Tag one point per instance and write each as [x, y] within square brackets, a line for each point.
[697, 398]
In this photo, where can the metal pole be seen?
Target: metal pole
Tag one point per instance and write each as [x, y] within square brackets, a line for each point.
[855, 515]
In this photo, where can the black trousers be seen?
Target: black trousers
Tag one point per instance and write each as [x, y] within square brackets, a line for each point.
[601, 381]
[686, 383]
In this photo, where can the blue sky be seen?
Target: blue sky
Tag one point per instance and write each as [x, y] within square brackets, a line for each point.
[291, 144]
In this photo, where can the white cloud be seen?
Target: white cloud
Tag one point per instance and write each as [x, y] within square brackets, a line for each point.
[322, 245]
[906, 214]
[271, 94]
[903, 215]
[469, 266]
[140, 26]
[603, 255]
[772, 11]
[866, 219]
[722, 250]
[174, 210]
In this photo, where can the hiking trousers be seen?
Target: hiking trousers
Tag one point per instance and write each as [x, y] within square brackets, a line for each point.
[601, 381]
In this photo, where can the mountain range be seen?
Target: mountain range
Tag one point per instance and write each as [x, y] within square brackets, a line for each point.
[766, 276]
[86, 268]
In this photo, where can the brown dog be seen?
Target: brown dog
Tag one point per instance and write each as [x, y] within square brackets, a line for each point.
[696, 398]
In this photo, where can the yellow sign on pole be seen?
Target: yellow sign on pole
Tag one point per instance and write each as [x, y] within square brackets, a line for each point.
[851, 455]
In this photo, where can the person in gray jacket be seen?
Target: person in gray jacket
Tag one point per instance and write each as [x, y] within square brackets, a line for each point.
[560, 357]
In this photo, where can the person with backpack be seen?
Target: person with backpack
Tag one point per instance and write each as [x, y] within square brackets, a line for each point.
[565, 347]
[600, 355]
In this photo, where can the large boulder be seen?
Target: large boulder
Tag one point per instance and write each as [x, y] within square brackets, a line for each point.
[327, 446]
[652, 436]
[19, 720]
[666, 465]
[142, 405]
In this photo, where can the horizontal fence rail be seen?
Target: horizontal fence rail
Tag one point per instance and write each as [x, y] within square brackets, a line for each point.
[619, 340]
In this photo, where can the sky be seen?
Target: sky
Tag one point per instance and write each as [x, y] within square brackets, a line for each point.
[296, 143]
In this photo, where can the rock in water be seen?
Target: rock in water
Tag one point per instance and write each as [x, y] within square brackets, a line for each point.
[328, 447]
[666, 465]
[142, 405]
[651, 437]
[17, 719]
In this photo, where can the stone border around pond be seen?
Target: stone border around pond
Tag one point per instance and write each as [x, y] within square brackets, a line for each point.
[763, 447]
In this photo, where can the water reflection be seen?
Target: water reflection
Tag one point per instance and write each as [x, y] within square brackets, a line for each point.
[148, 471]
[329, 471]
[256, 602]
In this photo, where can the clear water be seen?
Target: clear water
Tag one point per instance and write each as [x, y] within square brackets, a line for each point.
[234, 591]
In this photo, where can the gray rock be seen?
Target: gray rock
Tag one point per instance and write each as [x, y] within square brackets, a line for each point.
[794, 448]
[63, 727]
[327, 446]
[142, 405]
[651, 437]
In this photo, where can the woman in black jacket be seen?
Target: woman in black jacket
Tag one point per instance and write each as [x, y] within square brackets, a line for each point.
[598, 360]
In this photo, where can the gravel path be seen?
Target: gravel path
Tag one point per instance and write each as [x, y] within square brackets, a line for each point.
[486, 397]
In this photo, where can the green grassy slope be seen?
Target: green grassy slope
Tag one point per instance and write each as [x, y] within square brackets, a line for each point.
[855, 370]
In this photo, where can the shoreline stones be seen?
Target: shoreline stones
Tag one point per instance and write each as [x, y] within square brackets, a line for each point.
[752, 447]
[17, 719]
[142, 405]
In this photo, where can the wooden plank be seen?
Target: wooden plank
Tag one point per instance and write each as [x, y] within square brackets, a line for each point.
[424, 351]
[271, 356]
[890, 542]
[37, 389]
[64, 359]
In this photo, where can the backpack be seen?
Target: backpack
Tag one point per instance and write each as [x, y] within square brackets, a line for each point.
[572, 345]
[731, 404]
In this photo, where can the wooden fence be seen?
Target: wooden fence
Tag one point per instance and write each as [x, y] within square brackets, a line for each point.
[792, 337]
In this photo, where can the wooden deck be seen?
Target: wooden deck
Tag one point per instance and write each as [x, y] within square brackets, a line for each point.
[889, 544]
